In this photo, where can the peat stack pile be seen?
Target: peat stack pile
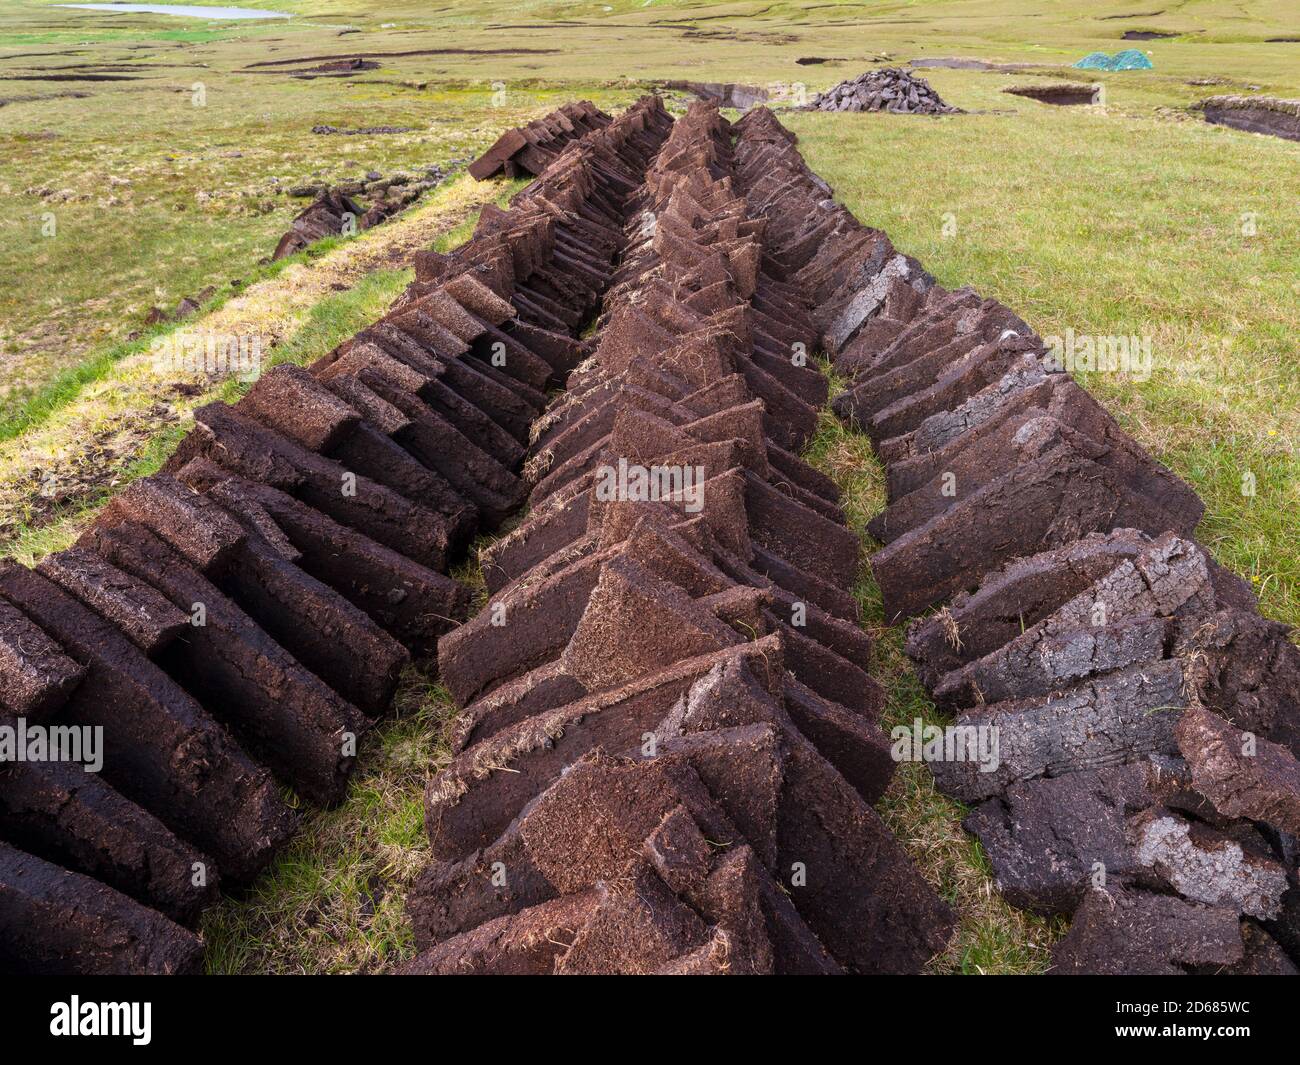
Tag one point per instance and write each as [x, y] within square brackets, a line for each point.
[334, 212]
[235, 622]
[1254, 114]
[1147, 718]
[327, 215]
[889, 89]
[669, 749]
[530, 149]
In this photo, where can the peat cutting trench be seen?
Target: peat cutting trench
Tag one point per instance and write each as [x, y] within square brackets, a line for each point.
[668, 749]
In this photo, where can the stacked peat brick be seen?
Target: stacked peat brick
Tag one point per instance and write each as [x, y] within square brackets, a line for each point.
[327, 215]
[1147, 717]
[532, 148]
[240, 618]
[668, 750]
[891, 89]
[333, 212]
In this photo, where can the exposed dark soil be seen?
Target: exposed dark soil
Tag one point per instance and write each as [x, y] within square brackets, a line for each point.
[1254, 115]
[67, 77]
[1066, 95]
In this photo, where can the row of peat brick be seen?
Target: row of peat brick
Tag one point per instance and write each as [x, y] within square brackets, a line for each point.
[668, 750]
[236, 621]
[532, 148]
[1146, 717]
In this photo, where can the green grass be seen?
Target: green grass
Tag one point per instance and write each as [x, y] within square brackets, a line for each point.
[329, 323]
[68, 384]
[334, 900]
[992, 937]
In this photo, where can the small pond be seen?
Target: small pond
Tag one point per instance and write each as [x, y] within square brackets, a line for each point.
[183, 9]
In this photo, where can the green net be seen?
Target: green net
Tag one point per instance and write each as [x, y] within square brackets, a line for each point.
[1094, 61]
[1129, 59]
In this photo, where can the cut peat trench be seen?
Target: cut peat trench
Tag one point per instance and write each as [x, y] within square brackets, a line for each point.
[1254, 114]
[668, 749]
[1067, 94]
[69, 77]
[350, 57]
[724, 94]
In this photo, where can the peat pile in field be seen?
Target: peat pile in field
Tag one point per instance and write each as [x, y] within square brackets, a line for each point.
[531, 149]
[1254, 114]
[889, 89]
[236, 621]
[334, 211]
[1146, 717]
[668, 750]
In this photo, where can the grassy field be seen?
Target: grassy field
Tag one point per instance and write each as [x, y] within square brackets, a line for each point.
[1133, 218]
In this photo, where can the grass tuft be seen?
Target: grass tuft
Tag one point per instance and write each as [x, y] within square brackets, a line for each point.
[334, 900]
[992, 936]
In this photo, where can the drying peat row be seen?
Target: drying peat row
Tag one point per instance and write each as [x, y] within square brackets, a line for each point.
[333, 212]
[1146, 717]
[532, 148]
[235, 622]
[668, 748]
